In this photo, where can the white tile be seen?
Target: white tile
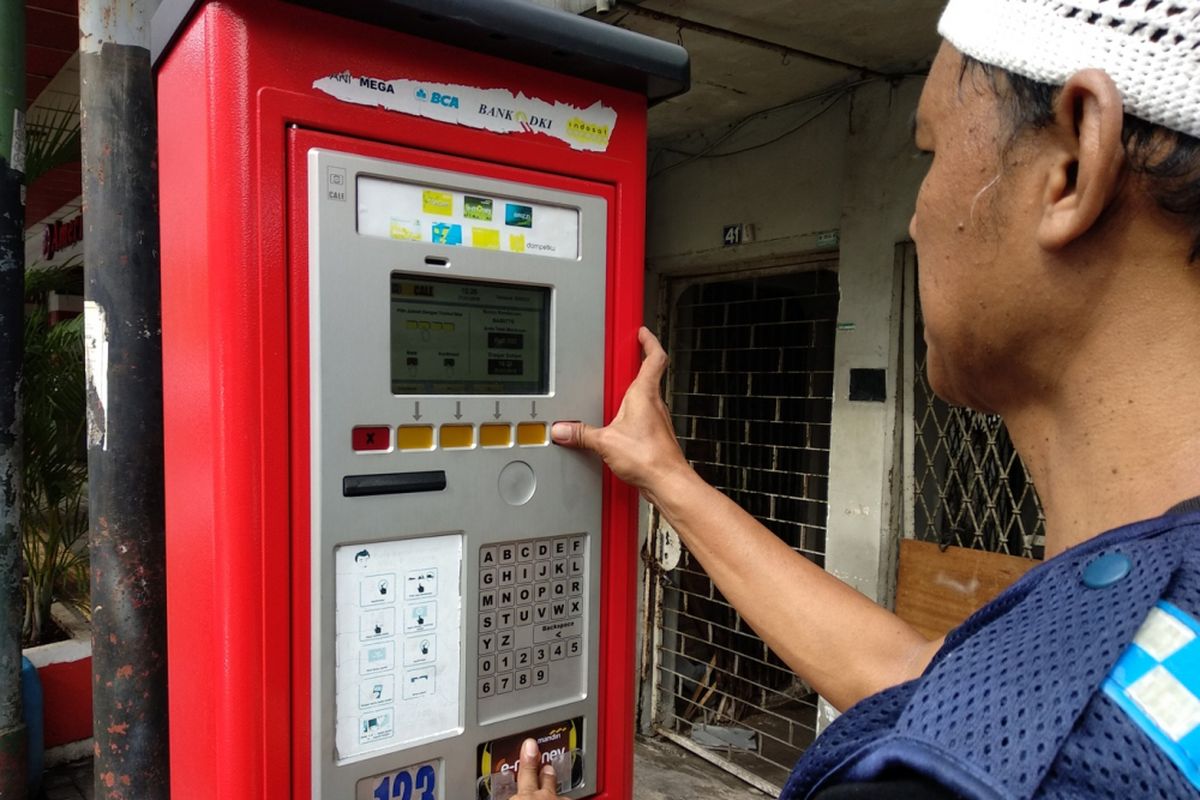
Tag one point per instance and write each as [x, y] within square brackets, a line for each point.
[1167, 702]
[1161, 635]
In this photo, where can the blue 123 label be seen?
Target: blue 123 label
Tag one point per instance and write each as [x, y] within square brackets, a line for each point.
[418, 782]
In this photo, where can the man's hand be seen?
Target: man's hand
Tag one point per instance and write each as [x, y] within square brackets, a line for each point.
[532, 783]
[639, 445]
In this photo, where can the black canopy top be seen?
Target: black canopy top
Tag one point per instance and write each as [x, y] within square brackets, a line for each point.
[517, 30]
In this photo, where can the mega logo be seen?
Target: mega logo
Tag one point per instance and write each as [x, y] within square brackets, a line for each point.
[376, 84]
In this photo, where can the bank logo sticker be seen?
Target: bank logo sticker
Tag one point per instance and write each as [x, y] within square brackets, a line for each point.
[437, 98]
[406, 230]
[518, 216]
[435, 202]
[496, 110]
[444, 233]
[486, 238]
[479, 208]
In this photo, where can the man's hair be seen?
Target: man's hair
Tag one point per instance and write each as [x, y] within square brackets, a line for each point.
[1169, 160]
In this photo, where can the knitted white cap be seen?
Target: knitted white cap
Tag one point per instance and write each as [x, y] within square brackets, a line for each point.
[1150, 48]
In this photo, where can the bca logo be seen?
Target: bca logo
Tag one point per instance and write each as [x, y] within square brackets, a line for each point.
[447, 100]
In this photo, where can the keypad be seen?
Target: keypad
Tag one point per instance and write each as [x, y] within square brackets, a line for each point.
[532, 615]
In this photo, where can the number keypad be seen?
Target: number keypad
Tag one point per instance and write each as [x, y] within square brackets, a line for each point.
[533, 611]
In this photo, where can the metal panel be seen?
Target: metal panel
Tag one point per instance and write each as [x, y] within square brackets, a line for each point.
[350, 356]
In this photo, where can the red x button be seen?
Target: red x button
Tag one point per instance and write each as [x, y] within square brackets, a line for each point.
[371, 437]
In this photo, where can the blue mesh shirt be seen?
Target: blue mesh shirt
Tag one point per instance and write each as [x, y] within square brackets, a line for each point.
[1081, 680]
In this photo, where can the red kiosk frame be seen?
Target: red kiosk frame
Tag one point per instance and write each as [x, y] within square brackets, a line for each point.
[236, 98]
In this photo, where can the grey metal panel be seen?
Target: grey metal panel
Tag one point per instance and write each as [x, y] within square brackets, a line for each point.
[350, 385]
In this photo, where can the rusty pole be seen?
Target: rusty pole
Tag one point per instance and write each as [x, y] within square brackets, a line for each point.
[124, 375]
[13, 756]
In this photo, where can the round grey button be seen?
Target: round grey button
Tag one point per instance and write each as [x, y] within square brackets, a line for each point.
[517, 483]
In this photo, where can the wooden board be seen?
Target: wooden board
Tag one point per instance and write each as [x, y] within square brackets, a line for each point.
[936, 590]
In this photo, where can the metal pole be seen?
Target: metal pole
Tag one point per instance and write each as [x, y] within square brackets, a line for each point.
[13, 757]
[124, 374]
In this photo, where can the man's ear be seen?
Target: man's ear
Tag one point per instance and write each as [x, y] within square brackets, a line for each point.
[1086, 171]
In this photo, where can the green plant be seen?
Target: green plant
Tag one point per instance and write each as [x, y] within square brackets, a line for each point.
[52, 139]
[54, 519]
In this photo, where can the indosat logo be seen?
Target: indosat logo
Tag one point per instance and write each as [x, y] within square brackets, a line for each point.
[588, 132]
[437, 98]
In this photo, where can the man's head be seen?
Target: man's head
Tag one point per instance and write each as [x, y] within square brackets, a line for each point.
[1065, 158]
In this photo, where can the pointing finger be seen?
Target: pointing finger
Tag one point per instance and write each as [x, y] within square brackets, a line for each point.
[527, 774]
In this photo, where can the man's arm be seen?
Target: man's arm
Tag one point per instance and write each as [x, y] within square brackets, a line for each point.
[842, 644]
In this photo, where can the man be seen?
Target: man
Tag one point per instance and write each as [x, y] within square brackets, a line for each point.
[1059, 235]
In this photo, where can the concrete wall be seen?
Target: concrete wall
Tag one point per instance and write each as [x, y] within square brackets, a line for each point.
[881, 178]
[844, 182]
[790, 191]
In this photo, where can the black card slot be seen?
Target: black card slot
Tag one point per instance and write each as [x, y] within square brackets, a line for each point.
[393, 483]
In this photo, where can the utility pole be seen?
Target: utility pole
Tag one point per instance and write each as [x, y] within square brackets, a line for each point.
[123, 344]
[14, 761]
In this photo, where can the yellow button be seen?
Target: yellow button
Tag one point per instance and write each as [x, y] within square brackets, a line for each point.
[457, 436]
[414, 437]
[495, 434]
[530, 434]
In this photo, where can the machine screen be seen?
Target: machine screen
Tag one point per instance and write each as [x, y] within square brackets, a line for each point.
[468, 337]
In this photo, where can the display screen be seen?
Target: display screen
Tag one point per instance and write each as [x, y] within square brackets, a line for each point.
[469, 337]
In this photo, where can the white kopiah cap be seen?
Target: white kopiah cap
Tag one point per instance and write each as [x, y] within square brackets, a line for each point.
[1150, 48]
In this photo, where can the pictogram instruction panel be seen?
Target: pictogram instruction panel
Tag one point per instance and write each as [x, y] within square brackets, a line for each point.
[398, 632]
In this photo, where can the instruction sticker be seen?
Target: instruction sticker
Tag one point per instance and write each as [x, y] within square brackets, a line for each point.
[496, 110]
[398, 634]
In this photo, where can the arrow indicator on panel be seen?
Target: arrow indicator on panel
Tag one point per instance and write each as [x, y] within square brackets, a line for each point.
[417, 410]
[533, 409]
[497, 414]
[458, 409]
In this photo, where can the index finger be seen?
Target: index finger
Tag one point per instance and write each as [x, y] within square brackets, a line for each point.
[527, 774]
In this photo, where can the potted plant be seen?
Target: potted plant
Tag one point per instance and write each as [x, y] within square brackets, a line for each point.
[54, 474]
[54, 519]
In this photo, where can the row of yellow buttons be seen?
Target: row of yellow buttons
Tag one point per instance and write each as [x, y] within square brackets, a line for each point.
[461, 437]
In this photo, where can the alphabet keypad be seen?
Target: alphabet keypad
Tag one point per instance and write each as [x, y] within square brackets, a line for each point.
[531, 623]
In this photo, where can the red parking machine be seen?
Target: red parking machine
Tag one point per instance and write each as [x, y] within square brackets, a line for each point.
[399, 239]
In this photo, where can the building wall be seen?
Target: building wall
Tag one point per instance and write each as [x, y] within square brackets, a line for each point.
[843, 182]
[790, 191]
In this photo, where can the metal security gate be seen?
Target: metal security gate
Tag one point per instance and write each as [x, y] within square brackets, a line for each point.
[965, 484]
[750, 391]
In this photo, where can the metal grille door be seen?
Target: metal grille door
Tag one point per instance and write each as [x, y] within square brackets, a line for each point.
[969, 488]
[751, 396]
